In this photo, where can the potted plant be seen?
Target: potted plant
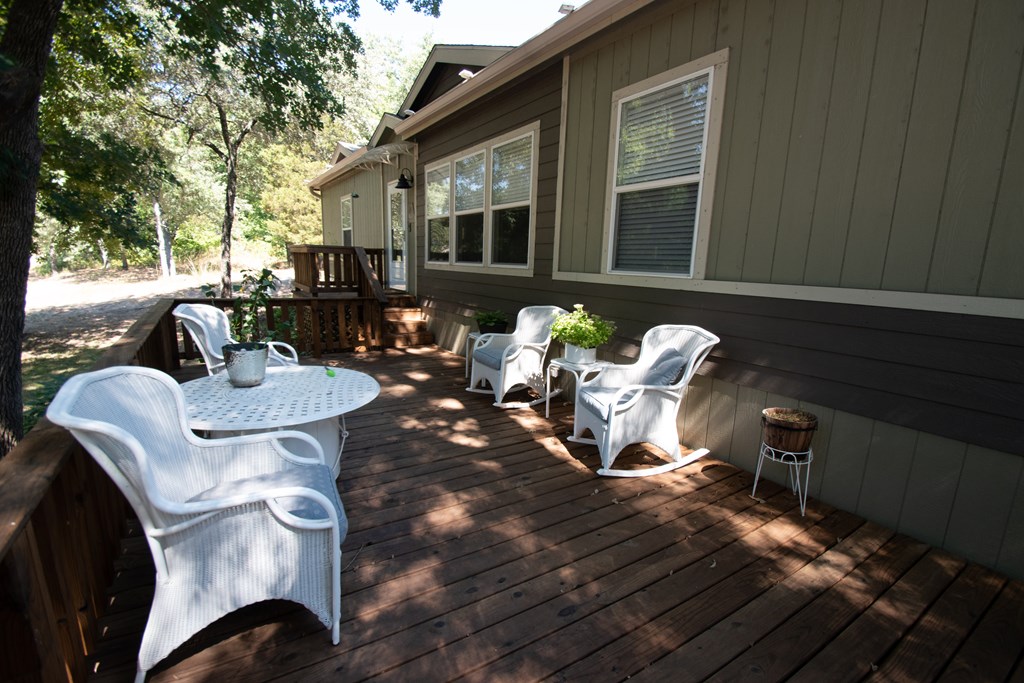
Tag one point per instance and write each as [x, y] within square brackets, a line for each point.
[787, 429]
[582, 333]
[246, 360]
[491, 321]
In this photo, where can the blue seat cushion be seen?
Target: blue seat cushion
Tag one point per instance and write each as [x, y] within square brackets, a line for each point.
[598, 399]
[489, 356]
[665, 370]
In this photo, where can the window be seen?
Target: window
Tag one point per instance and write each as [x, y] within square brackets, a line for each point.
[438, 210]
[469, 209]
[346, 221]
[659, 158]
[480, 205]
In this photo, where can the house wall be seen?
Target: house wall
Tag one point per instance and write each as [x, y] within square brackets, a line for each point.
[860, 152]
[369, 210]
[865, 144]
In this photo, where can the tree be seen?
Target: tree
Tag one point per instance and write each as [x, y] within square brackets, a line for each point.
[277, 49]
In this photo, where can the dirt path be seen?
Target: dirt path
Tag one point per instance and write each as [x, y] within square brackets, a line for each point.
[93, 308]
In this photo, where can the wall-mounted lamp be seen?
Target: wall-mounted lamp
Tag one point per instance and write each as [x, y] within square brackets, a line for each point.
[355, 196]
[404, 181]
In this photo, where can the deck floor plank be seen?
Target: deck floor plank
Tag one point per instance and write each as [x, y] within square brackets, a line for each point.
[483, 547]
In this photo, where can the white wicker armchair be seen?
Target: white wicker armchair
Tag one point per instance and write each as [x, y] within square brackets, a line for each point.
[639, 402]
[211, 330]
[230, 522]
[514, 360]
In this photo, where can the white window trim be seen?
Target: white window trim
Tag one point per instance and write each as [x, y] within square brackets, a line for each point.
[716, 64]
[341, 219]
[487, 266]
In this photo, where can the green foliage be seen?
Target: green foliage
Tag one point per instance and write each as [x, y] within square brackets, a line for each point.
[249, 318]
[490, 318]
[582, 329]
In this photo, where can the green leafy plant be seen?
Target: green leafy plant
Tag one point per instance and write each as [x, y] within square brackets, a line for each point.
[582, 329]
[249, 318]
[485, 318]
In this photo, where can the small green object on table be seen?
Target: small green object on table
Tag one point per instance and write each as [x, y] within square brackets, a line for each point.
[330, 373]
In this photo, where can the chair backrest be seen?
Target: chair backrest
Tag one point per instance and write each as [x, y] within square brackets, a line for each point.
[132, 421]
[210, 329]
[691, 342]
[533, 324]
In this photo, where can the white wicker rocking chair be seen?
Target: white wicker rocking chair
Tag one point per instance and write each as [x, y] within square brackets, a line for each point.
[230, 522]
[514, 360]
[210, 329]
[636, 403]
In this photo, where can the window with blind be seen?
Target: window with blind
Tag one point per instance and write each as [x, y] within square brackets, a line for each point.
[480, 204]
[438, 212]
[659, 165]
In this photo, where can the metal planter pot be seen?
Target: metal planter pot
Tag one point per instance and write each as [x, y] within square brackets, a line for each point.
[246, 363]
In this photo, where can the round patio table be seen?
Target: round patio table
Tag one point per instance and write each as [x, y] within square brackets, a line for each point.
[302, 397]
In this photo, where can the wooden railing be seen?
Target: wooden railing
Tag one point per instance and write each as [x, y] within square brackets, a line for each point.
[322, 269]
[62, 519]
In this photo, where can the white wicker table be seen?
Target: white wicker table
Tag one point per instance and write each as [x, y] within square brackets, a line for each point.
[302, 397]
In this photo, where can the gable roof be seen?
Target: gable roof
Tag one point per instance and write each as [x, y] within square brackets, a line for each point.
[568, 31]
[348, 158]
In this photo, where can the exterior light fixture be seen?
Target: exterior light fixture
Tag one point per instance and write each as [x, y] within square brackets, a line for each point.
[404, 181]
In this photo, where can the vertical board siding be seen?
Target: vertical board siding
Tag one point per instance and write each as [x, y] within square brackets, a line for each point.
[931, 488]
[729, 225]
[881, 152]
[937, 92]
[773, 150]
[890, 455]
[986, 109]
[1003, 276]
[984, 499]
[806, 140]
[851, 82]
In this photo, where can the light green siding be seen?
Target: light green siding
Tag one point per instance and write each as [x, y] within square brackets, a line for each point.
[369, 209]
[865, 144]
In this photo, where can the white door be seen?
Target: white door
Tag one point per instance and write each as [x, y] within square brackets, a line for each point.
[396, 242]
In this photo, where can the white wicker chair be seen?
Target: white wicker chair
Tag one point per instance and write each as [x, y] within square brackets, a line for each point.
[230, 522]
[514, 360]
[639, 402]
[211, 329]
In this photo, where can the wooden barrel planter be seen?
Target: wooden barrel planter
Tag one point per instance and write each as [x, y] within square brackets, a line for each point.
[788, 429]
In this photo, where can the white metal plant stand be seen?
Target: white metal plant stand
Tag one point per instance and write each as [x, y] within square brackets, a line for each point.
[303, 397]
[794, 463]
[578, 370]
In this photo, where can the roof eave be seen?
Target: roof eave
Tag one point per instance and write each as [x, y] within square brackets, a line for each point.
[593, 17]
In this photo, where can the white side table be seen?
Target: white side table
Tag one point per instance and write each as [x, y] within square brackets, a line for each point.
[579, 371]
[794, 461]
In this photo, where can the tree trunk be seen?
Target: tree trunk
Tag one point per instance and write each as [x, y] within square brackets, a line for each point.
[230, 190]
[163, 243]
[104, 256]
[26, 42]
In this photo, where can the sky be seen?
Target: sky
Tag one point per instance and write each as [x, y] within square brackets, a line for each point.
[463, 22]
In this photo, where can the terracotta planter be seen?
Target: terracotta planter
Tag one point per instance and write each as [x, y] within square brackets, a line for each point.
[788, 429]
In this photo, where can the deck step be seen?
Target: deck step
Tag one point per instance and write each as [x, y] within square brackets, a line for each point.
[405, 325]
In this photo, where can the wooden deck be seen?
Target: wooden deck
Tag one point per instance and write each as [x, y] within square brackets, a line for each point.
[484, 548]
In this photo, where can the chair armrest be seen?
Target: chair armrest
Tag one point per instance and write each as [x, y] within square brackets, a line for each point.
[495, 338]
[624, 401]
[287, 352]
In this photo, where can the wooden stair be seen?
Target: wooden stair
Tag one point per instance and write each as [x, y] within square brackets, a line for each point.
[404, 324]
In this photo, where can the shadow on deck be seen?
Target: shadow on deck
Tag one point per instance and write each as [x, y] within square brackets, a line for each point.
[482, 546]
